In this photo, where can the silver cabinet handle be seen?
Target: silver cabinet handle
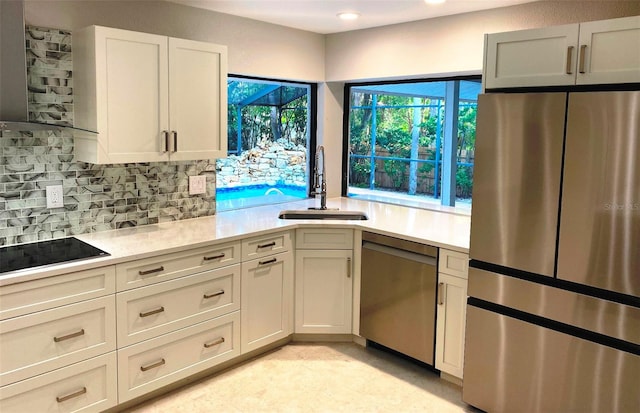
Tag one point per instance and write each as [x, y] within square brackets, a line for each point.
[583, 52]
[270, 244]
[153, 365]
[217, 293]
[214, 342]
[440, 293]
[175, 141]
[569, 69]
[152, 312]
[78, 333]
[76, 393]
[147, 272]
[214, 257]
[271, 261]
[165, 134]
[348, 267]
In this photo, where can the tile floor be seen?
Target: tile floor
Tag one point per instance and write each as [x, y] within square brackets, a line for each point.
[316, 377]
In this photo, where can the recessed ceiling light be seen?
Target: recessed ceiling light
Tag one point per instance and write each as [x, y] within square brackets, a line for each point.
[434, 1]
[349, 15]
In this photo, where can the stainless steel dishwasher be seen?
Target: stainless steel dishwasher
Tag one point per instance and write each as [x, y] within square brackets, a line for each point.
[398, 295]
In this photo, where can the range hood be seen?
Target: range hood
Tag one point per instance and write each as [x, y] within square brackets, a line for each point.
[14, 97]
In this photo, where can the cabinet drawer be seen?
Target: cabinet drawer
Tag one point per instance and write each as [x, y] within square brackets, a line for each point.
[28, 297]
[155, 363]
[166, 267]
[40, 342]
[88, 386]
[257, 247]
[324, 238]
[150, 311]
[454, 263]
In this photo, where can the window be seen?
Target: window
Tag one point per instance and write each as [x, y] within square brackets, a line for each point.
[270, 133]
[403, 147]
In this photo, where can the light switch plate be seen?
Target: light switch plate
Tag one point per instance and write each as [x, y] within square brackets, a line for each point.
[197, 184]
[55, 196]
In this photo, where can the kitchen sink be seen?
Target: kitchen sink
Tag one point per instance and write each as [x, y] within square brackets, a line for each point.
[322, 214]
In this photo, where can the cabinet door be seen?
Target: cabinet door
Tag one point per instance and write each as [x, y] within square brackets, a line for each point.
[610, 51]
[266, 300]
[451, 315]
[132, 95]
[536, 57]
[198, 99]
[323, 291]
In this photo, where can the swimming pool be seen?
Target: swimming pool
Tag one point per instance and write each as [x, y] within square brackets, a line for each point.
[253, 195]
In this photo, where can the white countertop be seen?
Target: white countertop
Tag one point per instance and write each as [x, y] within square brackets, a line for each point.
[440, 229]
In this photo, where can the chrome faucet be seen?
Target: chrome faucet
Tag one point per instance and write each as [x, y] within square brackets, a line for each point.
[319, 179]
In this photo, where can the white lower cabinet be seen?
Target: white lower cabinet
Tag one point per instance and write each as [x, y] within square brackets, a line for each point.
[150, 311]
[451, 313]
[324, 281]
[46, 293]
[267, 300]
[88, 386]
[39, 342]
[154, 363]
[324, 291]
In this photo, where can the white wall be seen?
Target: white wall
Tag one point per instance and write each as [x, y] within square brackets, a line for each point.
[255, 48]
[452, 44]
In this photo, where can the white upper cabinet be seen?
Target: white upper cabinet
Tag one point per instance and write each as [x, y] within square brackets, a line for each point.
[149, 97]
[597, 52]
[610, 51]
[197, 99]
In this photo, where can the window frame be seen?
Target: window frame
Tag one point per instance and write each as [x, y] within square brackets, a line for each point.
[312, 123]
[347, 112]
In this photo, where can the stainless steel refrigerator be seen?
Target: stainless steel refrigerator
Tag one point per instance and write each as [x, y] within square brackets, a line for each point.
[553, 314]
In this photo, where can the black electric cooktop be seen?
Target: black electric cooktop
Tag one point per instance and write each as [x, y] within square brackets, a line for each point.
[19, 257]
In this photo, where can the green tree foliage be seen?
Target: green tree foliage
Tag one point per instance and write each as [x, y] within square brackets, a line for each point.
[394, 123]
[262, 122]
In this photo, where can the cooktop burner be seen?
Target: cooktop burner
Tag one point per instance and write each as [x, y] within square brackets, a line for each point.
[19, 257]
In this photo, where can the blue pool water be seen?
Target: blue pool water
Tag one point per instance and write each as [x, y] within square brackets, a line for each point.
[252, 191]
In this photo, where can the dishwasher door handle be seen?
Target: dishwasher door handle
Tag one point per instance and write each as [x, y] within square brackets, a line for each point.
[425, 259]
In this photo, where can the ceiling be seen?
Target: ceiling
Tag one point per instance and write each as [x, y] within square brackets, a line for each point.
[320, 16]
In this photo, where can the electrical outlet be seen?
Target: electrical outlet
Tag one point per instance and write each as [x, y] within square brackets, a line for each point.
[197, 184]
[54, 196]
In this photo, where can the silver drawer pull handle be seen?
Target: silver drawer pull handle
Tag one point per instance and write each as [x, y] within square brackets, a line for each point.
[569, 69]
[271, 261]
[152, 312]
[152, 365]
[583, 52]
[270, 244]
[214, 257]
[214, 342]
[147, 272]
[68, 336]
[217, 293]
[76, 393]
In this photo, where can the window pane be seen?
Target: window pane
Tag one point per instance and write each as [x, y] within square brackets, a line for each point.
[268, 136]
[397, 131]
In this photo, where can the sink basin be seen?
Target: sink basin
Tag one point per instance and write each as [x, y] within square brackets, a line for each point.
[322, 214]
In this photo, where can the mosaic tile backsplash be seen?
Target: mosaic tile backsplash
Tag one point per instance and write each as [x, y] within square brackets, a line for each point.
[96, 197]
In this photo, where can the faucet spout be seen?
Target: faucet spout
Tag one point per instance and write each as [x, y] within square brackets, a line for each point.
[319, 178]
